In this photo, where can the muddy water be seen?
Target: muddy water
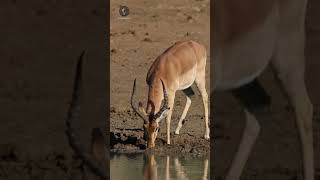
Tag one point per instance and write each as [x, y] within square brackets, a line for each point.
[152, 167]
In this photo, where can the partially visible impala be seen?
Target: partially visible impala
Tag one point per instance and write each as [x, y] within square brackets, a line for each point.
[250, 35]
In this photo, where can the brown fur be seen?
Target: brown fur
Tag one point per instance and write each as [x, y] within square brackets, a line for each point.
[235, 18]
[168, 67]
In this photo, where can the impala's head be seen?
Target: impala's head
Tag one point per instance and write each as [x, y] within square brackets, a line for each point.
[151, 120]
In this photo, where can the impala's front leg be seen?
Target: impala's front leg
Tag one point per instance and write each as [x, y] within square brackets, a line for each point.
[171, 95]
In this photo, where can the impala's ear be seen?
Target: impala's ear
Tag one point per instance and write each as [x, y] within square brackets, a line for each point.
[163, 115]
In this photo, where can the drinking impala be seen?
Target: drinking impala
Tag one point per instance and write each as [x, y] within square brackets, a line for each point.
[177, 68]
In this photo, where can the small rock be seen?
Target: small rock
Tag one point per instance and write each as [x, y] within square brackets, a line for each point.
[112, 109]
[113, 51]
[197, 9]
[194, 150]
[123, 137]
[147, 40]
[189, 19]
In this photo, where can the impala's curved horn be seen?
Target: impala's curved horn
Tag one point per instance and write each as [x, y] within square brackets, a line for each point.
[74, 115]
[134, 107]
[164, 106]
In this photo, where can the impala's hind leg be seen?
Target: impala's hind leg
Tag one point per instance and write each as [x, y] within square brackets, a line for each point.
[293, 84]
[249, 137]
[201, 84]
[188, 92]
[289, 66]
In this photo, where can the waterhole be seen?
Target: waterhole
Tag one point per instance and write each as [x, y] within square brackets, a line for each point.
[145, 166]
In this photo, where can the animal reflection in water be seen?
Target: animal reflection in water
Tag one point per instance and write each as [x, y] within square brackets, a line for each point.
[150, 169]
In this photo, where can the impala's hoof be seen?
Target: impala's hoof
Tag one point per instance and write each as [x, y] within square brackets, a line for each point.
[207, 137]
[176, 132]
[207, 134]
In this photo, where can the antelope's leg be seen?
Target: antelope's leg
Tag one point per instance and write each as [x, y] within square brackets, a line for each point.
[250, 134]
[205, 170]
[168, 119]
[188, 92]
[289, 64]
[167, 168]
[294, 86]
[200, 82]
[179, 169]
[296, 90]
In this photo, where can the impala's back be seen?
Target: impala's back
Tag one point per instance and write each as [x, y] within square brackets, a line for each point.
[178, 63]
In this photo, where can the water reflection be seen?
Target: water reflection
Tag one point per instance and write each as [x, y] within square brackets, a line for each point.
[152, 167]
[150, 170]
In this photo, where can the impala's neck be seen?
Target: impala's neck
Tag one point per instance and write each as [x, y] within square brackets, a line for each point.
[155, 96]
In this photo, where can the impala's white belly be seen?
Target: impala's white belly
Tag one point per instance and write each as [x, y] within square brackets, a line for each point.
[243, 60]
[187, 79]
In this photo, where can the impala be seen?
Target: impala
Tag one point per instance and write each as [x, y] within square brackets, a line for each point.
[175, 69]
[250, 35]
